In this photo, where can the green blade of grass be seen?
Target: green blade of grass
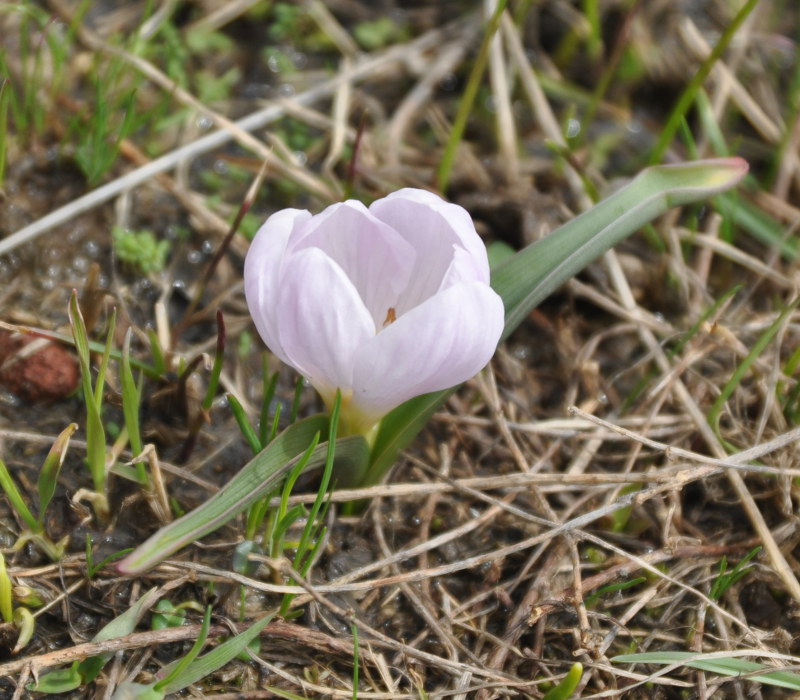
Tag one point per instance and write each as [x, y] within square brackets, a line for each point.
[216, 369]
[105, 357]
[244, 425]
[6, 597]
[270, 385]
[95, 433]
[725, 666]
[14, 497]
[687, 98]
[725, 579]
[216, 658]
[87, 670]
[354, 631]
[468, 99]
[48, 476]
[307, 540]
[131, 398]
[738, 375]
[178, 667]
[255, 479]
[760, 225]
[5, 97]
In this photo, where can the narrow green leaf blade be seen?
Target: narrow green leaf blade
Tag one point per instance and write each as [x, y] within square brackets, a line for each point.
[9, 487]
[216, 658]
[725, 666]
[88, 669]
[131, 397]
[118, 627]
[180, 665]
[95, 433]
[528, 277]
[568, 684]
[48, 476]
[61, 681]
[257, 478]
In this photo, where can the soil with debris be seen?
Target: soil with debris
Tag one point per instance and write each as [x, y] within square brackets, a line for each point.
[577, 501]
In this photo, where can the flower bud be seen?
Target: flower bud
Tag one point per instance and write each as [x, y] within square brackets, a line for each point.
[383, 303]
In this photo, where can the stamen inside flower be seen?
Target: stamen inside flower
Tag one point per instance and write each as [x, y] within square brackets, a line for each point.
[391, 317]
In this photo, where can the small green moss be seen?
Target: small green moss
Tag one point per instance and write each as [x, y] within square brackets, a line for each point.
[378, 34]
[140, 249]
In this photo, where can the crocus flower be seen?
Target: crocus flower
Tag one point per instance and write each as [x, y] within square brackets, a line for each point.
[382, 303]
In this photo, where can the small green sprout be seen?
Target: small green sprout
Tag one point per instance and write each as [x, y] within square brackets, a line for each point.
[91, 567]
[193, 667]
[96, 452]
[82, 672]
[378, 34]
[140, 249]
[165, 614]
[567, 685]
[48, 478]
[20, 617]
[725, 579]
[613, 588]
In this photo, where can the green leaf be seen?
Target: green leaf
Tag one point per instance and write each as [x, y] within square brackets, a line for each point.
[567, 686]
[165, 614]
[118, 627]
[80, 673]
[48, 476]
[131, 398]
[257, 478]
[727, 579]
[61, 681]
[725, 666]
[499, 252]
[178, 667]
[6, 596]
[216, 658]
[95, 434]
[533, 273]
[25, 622]
[14, 496]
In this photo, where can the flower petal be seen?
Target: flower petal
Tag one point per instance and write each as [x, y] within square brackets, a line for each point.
[436, 345]
[262, 273]
[437, 230]
[322, 321]
[375, 258]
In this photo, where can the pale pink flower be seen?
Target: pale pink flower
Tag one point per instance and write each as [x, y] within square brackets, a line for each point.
[383, 303]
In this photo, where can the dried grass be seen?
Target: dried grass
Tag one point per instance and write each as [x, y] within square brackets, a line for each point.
[481, 568]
